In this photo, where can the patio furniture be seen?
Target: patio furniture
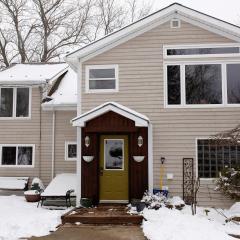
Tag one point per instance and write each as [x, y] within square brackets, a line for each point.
[62, 187]
[14, 183]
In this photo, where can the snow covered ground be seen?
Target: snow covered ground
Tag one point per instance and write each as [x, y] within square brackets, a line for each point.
[181, 225]
[20, 219]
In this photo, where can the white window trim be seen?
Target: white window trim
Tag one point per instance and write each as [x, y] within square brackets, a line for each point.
[89, 67]
[123, 160]
[14, 117]
[217, 45]
[66, 150]
[175, 20]
[182, 83]
[18, 145]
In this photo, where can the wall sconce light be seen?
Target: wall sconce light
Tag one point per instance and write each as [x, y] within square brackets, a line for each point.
[140, 141]
[87, 141]
[162, 160]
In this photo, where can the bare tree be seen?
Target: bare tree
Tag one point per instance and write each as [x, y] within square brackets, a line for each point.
[61, 25]
[137, 10]
[44, 30]
[17, 17]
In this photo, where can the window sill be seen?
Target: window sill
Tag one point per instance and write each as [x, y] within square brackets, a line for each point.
[16, 166]
[15, 118]
[71, 160]
[102, 91]
[202, 106]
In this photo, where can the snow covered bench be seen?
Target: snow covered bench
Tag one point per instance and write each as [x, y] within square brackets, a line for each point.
[14, 183]
[63, 186]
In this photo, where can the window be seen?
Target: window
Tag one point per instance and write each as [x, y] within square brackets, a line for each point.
[203, 84]
[17, 155]
[114, 154]
[174, 92]
[102, 78]
[14, 102]
[202, 51]
[233, 83]
[70, 151]
[213, 158]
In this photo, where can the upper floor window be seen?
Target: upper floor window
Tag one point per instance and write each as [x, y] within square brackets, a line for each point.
[203, 84]
[14, 102]
[18, 155]
[213, 158]
[202, 51]
[101, 78]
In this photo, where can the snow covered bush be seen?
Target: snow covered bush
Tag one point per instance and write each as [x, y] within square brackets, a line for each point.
[229, 183]
[156, 201]
[153, 201]
[37, 184]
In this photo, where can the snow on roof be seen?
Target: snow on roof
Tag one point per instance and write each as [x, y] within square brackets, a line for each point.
[66, 93]
[32, 73]
[61, 184]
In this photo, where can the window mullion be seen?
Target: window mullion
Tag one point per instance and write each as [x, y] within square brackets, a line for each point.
[224, 84]
[183, 86]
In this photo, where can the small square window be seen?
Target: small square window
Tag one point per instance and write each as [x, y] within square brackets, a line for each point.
[175, 23]
[70, 151]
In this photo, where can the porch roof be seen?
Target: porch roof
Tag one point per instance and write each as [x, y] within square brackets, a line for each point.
[139, 119]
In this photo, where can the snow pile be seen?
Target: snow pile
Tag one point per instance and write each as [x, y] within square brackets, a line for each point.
[20, 219]
[172, 224]
[234, 211]
[61, 184]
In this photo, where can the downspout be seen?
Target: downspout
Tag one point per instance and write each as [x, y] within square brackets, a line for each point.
[53, 142]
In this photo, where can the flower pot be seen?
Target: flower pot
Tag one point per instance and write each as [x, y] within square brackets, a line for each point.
[86, 202]
[140, 206]
[32, 196]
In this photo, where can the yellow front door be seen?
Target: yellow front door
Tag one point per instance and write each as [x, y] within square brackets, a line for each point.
[114, 168]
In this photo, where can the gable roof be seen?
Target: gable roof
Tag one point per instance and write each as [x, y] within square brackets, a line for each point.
[32, 73]
[151, 21]
[139, 119]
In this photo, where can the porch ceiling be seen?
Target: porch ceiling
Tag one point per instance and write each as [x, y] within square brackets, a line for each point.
[139, 119]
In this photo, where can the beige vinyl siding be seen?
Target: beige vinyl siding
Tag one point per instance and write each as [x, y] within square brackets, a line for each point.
[63, 132]
[23, 131]
[141, 87]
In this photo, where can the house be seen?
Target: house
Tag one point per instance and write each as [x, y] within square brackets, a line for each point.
[33, 137]
[149, 96]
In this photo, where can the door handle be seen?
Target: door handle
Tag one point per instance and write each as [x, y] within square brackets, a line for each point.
[101, 171]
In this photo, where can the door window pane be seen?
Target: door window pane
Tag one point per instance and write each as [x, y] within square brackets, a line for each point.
[24, 156]
[8, 155]
[173, 84]
[233, 83]
[22, 102]
[203, 84]
[113, 154]
[6, 102]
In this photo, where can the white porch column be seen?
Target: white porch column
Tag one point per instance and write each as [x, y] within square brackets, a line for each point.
[79, 165]
[150, 158]
[79, 136]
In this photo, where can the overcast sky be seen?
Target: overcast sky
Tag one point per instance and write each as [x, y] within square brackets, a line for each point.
[228, 10]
